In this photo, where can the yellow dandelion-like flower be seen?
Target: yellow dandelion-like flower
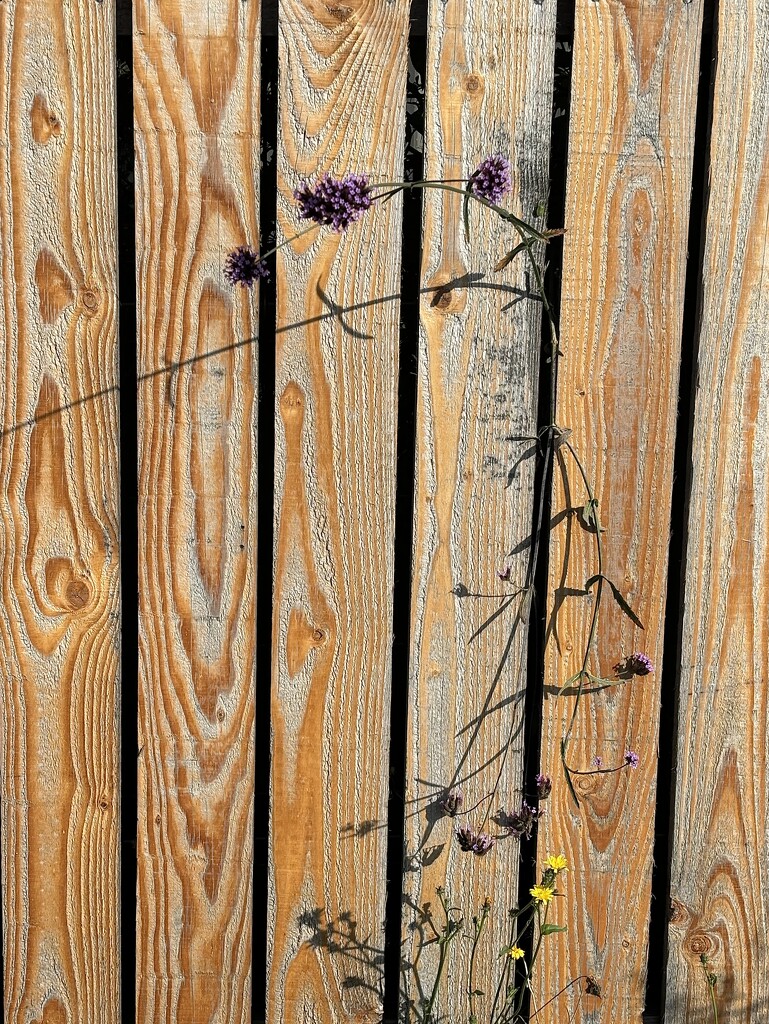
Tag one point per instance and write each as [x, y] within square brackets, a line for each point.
[515, 953]
[542, 893]
[556, 863]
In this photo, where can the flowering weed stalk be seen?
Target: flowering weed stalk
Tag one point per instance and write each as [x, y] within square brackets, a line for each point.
[338, 203]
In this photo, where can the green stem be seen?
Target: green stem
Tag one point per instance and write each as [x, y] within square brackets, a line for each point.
[476, 939]
[286, 241]
[450, 931]
[560, 992]
[715, 1005]
[594, 618]
[403, 186]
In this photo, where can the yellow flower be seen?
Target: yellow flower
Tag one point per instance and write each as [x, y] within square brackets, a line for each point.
[515, 952]
[556, 863]
[542, 893]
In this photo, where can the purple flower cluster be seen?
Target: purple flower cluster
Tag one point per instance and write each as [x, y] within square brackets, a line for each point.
[337, 202]
[637, 664]
[544, 786]
[243, 266]
[521, 822]
[474, 842]
[631, 758]
[491, 179]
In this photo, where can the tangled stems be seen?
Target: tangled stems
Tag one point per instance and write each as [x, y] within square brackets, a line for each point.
[451, 929]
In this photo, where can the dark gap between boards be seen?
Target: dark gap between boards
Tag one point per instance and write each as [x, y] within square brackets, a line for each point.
[129, 464]
[682, 470]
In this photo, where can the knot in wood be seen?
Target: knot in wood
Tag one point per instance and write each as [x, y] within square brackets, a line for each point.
[473, 84]
[77, 594]
[585, 784]
[318, 635]
[221, 714]
[700, 943]
[90, 299]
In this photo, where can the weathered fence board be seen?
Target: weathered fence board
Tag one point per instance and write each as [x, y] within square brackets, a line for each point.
[341, 105]
[489, 90]
[59, 532]
[634, 89]
[196, 99]
[720, 894]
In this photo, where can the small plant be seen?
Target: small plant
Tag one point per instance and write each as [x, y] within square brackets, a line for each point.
[711, 979]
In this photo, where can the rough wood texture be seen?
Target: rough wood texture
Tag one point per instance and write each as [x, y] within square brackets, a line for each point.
[720, 894]
[631, 140]
[489, 90]
[342, 83]
[59, 615]
[196, 72]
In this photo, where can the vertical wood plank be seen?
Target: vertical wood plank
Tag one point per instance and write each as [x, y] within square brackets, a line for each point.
[720, 894]
[342, 100]
[489, 90]
[196, 101]
[59, 531]
[634, 91]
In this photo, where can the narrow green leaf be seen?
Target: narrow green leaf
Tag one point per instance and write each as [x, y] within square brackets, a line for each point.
[548, 929]
[466, 215]
[572, 679]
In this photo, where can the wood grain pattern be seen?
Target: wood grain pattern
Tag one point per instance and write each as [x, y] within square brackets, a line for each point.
[489, 90]
[341, 95]
[59, 531]
[196, 103]
[631, 139]
[720, 894]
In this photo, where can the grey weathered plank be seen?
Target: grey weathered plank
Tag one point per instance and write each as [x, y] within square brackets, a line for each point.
[489, 90]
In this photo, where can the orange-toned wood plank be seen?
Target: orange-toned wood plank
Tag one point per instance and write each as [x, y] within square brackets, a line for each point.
[342, 102]
[489, 90]
[719, 889]
[59, 530]
[633, 105]
[196, 104]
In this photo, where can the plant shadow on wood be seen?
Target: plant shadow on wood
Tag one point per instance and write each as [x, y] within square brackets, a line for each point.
[360, 960]
[335, 312]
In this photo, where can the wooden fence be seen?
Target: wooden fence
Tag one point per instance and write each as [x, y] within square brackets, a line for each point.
[228, 722]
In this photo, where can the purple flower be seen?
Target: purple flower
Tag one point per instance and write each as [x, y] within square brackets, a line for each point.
[521, 822]
[243, 266]
[505, 574]
[474, 842]
[452, 802]
[544, 786]
[633, 665]
[491, 179]
[338, 202]
[631, 758]
[597, 762]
